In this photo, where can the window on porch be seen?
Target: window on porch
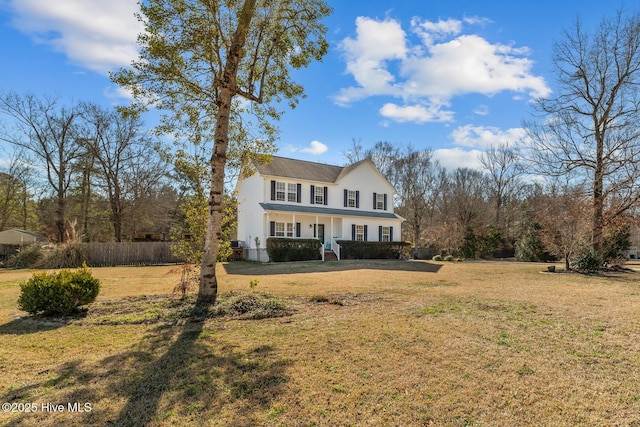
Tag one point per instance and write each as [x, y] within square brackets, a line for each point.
[285, 229]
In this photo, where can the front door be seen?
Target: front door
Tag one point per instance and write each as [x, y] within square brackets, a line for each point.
[320, 233]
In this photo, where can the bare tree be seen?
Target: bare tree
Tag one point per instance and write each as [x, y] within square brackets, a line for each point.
[125, 155]
[563, 216]
[503, 170]
[47, 129]
[465, 195]
[14, 192]
[415, 175]
[590, 130]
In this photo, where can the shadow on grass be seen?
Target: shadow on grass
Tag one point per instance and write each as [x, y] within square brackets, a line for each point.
[172, 375]
[39, 323]
[299, 267]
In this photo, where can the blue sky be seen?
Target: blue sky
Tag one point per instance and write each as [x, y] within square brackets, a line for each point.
[455, 76]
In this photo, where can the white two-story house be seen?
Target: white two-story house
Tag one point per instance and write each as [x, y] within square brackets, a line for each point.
[301, 199]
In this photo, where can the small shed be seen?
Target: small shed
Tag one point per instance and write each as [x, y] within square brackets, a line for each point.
[11, 240]
[19, 237]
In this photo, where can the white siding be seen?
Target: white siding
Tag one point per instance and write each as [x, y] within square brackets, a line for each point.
[254, 222]
[250, 215]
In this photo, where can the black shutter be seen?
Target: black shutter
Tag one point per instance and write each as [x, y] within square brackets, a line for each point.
[358, 199]
[315, 232]
[353, 232]
[365, 233]
[385, 202]
[375, 196]
[346, 197]
[380, 233]
[326, 195]
[272, 228]
[273, 190]
[391, 234]
[298, 229]
[299, 193]
[313, 194]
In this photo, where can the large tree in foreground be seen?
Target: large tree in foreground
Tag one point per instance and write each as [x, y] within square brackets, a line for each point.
[590, 130]
[197, 57]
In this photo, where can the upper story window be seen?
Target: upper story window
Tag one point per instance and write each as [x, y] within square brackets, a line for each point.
[292, 192]
[286, 191]
[380, 201]
[319, 195]
[280, 191]
[351, 198]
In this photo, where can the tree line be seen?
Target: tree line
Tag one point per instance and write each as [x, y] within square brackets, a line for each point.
[82, 172]
[501, 210]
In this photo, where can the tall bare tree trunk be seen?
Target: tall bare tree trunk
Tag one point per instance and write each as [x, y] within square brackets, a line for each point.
[208, 290]
[598, 193]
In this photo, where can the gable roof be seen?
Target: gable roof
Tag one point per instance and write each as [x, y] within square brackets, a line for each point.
[300, 169]
[311, 171]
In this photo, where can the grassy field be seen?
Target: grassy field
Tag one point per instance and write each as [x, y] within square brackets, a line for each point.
[365, 344]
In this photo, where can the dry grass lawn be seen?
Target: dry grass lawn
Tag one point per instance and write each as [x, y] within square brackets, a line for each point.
[373, 343]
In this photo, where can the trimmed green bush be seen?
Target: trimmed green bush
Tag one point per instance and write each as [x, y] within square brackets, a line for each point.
[281, 249]
[352, 249]
[588, 262]
[58, 293]
[437, 258]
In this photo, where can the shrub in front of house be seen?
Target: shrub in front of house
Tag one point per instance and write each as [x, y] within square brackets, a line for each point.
[281, 249]
[58, 293]
[350, 249]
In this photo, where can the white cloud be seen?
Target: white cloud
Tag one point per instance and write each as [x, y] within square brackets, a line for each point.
[484, 137]
[366, 56]
[443, 64]
[431, 31]
[95, 34]
[316, 148]
[470, 142]
[481, 110]
[416, 113]
[117, 92]
[453, 158]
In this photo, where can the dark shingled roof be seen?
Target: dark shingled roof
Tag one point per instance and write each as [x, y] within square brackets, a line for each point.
[301, 169]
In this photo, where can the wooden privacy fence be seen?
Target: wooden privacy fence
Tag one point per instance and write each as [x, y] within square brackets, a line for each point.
[129, 253]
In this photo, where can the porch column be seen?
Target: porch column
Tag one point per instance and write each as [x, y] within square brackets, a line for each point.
[295, 232]
[331, 233]
[266, 228]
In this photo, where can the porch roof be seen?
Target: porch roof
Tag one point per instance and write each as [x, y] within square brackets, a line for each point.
[313, 210]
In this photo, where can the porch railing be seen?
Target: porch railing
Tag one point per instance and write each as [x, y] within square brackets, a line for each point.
[335, 247]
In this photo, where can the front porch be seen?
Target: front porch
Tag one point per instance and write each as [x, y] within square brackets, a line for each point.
[327, 229]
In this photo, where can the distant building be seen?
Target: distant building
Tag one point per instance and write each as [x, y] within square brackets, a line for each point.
[12, 240]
